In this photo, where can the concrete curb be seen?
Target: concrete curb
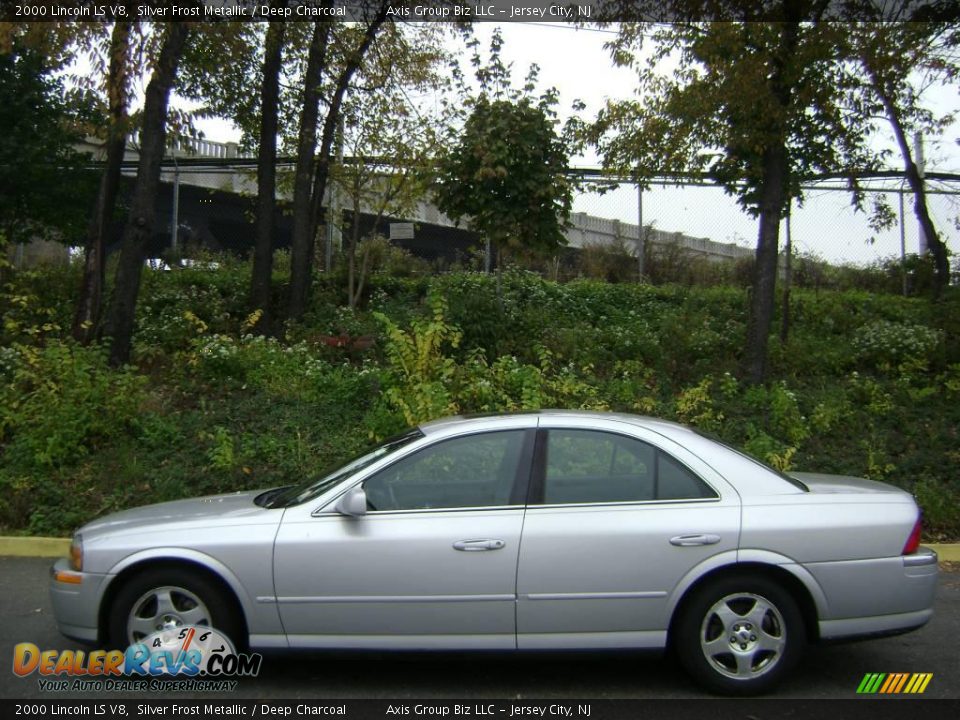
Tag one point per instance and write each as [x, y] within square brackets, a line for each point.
[59, 547]
[34, 546]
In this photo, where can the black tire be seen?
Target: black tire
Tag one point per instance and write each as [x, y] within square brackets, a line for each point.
[191, 598]
[739, 635]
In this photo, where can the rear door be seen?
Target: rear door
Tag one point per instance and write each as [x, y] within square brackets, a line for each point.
[618, 515]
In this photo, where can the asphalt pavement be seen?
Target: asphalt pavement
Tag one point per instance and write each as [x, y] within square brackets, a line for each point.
[826, 672]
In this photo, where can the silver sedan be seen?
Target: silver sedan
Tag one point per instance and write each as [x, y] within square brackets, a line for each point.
[548, 530]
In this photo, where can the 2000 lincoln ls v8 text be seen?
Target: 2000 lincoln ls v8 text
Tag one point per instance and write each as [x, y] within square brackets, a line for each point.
[546, 530]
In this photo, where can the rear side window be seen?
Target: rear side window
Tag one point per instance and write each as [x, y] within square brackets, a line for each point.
[589, 466]
[677, 482]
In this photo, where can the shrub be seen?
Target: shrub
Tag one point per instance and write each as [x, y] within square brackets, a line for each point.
[419, 374]
[884, 343]
[60, 401]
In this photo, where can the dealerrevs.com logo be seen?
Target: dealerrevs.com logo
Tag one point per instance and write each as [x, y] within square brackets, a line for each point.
[189, 658]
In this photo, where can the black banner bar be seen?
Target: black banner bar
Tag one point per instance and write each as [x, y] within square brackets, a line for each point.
[549, 11]
[718, 709]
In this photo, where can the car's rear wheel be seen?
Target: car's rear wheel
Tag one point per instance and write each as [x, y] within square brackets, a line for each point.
[740, 635]
[167, 598]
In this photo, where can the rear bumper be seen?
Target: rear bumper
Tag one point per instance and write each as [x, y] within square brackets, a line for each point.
[885, 596]
[872, 627]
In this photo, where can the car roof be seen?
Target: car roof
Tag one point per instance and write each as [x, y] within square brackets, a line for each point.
[478, 421]
[752, 477]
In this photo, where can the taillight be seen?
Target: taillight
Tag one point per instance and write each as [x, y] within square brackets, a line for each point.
[913, 542]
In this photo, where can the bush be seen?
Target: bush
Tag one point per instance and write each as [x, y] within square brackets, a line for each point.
[59, 402]
[866, 384]
[884, 343]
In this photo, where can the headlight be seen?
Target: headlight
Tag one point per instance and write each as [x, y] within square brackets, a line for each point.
[76, 553]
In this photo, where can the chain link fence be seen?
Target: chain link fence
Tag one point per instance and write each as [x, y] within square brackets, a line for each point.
[701, 220]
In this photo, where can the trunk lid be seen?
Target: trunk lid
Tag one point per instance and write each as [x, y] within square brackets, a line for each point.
[821, 483]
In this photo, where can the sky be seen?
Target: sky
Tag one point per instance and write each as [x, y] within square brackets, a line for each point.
[575, 62]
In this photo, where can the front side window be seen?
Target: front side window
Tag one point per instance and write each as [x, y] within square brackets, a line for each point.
[588, 466]
[470, 471]
[315, 487]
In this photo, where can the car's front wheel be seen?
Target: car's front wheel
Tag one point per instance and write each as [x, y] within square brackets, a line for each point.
[740, 635]
[165, 598]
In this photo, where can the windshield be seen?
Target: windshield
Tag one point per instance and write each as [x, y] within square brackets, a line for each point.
[315, 487]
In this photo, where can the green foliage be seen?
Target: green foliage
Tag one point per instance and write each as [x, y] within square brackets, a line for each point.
[227, 409]
[175, 304]
[882, 342]
[937, 497]
[422, 382]
[745, 88]
[418, 386]
[506, 169]
[43, 187]
[61, 402]
[222, 453]
[695, 407]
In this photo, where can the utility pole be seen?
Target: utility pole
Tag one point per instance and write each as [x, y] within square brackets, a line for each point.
[922, 239]
[903, 246]
[787, 279]
[334, 234]
[641, 240]
[175, 218]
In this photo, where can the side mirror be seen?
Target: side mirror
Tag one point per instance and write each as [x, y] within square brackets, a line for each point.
[353, 503]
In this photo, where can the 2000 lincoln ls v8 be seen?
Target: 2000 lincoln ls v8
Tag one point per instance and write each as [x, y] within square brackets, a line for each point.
[545, 530]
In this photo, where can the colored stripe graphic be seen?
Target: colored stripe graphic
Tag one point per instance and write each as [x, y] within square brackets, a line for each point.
[894, 683]
[870, 683]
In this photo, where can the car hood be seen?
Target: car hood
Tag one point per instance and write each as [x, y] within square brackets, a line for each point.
[211, 510]
[825, 483]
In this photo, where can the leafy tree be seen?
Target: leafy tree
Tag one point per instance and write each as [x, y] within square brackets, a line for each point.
[250, 96]
[267, 172]
[389, 142]
[290, 89]
[896, 61]
[336, 54]
[506, 170]
[754, 102]
[140, 224]
[43, 190]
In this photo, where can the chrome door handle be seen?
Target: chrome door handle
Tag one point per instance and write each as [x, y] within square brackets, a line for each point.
[477, 545]
[691, 540]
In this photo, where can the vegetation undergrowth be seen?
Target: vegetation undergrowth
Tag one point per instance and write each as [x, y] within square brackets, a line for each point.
[866, 384]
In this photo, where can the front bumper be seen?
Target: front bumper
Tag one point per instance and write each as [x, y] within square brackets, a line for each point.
[76, 604]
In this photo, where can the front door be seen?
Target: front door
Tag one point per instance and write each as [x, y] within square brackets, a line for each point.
[431, 565]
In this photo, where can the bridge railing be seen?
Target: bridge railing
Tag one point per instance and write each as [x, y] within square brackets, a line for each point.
[196, 147]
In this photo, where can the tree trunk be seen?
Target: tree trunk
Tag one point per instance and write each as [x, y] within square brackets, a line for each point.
[773, 196]
[86, 319]
[763, 288]
[139, 227]
[352, 251]
[304, 232]
[333, 114]
[917, 185]
[267, 176]
[301, 270]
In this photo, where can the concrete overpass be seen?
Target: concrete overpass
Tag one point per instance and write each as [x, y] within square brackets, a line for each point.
[213, 186]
